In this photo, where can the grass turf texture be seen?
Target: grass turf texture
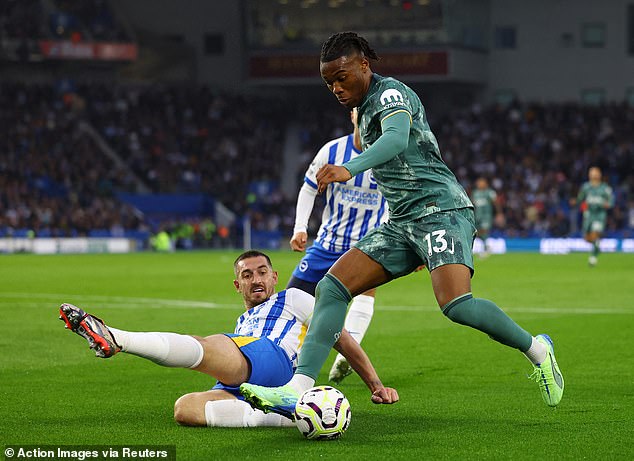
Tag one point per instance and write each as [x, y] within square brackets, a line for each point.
[463, 396]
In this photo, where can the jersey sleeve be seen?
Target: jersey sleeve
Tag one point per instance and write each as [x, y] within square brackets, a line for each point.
[393, 97]
[304, 207]
[392, 142]
[301, 304]
[609, 196]
[581, 196]
[493, 196]
[320, 160]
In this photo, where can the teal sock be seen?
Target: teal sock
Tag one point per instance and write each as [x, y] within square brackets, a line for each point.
[595, 248]
[331, 303]
[485, 316]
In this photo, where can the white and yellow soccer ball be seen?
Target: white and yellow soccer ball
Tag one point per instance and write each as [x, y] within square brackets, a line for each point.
[322, 412]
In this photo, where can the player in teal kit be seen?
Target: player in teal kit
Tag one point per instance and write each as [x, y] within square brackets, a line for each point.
[483, 198]
[595, 199]
[431, 222]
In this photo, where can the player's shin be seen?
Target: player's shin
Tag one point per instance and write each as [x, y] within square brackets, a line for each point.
[237, 413]
[485, 316]
[166, 349]
[357, 322]
[331, 302]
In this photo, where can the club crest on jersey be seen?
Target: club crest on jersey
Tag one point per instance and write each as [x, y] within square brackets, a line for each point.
[391, 98]
[303, 266]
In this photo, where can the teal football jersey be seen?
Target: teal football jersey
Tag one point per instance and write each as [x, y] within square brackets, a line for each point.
[416, 182]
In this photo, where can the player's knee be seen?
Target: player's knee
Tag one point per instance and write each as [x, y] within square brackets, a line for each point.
[331, 287]
[212, 343]
[184, 411]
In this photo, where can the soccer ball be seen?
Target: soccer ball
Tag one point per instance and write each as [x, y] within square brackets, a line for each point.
[322, 412]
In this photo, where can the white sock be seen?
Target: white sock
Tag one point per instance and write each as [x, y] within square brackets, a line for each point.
[301, 383]
[167, 349]
[537, 352]
[358, 318]
[237, 413]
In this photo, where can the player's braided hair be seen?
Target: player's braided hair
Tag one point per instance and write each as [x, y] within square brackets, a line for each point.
[345, 44]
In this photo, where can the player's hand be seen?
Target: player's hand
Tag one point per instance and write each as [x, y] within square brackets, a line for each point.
[331, 173]
[385, 395]
[298, 241]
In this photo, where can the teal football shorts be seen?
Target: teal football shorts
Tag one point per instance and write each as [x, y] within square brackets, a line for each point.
[445, 237]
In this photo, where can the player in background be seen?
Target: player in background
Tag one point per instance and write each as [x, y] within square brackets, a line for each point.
[595, 198]
[263, 348]
[483, 198]
[352, 209]
[431, 222]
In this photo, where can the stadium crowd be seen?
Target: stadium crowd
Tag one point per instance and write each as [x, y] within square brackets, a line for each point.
[55, 181]
[536, 156]
[59, 19]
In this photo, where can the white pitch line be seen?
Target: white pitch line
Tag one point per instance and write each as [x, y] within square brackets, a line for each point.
[152, 302]
[529, 310]
[129, 302]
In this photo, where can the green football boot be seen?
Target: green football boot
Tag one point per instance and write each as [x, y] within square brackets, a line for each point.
[548, 375]
[280, 400]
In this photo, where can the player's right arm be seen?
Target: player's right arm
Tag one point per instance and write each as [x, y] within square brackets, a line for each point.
[360, 362]
[301, 305]
[609, 198]
[393, 140]
[581, 196]
[306, 200]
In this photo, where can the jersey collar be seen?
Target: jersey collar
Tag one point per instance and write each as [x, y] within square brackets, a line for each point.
[372, 88]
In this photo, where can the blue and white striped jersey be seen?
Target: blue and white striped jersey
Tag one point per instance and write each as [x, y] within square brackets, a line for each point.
[352, 208]
[283, 318]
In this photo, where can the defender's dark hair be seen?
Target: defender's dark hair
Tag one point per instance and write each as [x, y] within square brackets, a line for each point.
[345, 44]
[250, 254]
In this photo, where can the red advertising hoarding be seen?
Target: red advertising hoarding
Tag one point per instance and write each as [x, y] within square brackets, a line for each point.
[298, 66]
[97, 51]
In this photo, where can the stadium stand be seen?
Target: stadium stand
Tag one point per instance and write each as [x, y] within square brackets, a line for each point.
[74, 153]
[536, 156]
[178, 140]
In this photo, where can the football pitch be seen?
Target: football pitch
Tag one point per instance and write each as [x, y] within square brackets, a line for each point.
[463, 396]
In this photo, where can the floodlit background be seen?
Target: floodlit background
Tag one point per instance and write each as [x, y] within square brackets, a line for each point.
[128, 127]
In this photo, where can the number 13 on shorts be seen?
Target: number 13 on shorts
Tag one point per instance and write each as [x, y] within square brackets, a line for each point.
[437, 243]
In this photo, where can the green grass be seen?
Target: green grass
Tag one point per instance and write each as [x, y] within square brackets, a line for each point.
[462, 395]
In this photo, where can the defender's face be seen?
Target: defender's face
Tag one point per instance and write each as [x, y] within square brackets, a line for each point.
[348, 78]
[256, 280]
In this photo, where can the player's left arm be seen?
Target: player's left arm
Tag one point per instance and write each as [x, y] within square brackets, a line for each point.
[394, 139]
[356, 134]
[609, 202]
[360, 362]
[581, 196]
[303, 210]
